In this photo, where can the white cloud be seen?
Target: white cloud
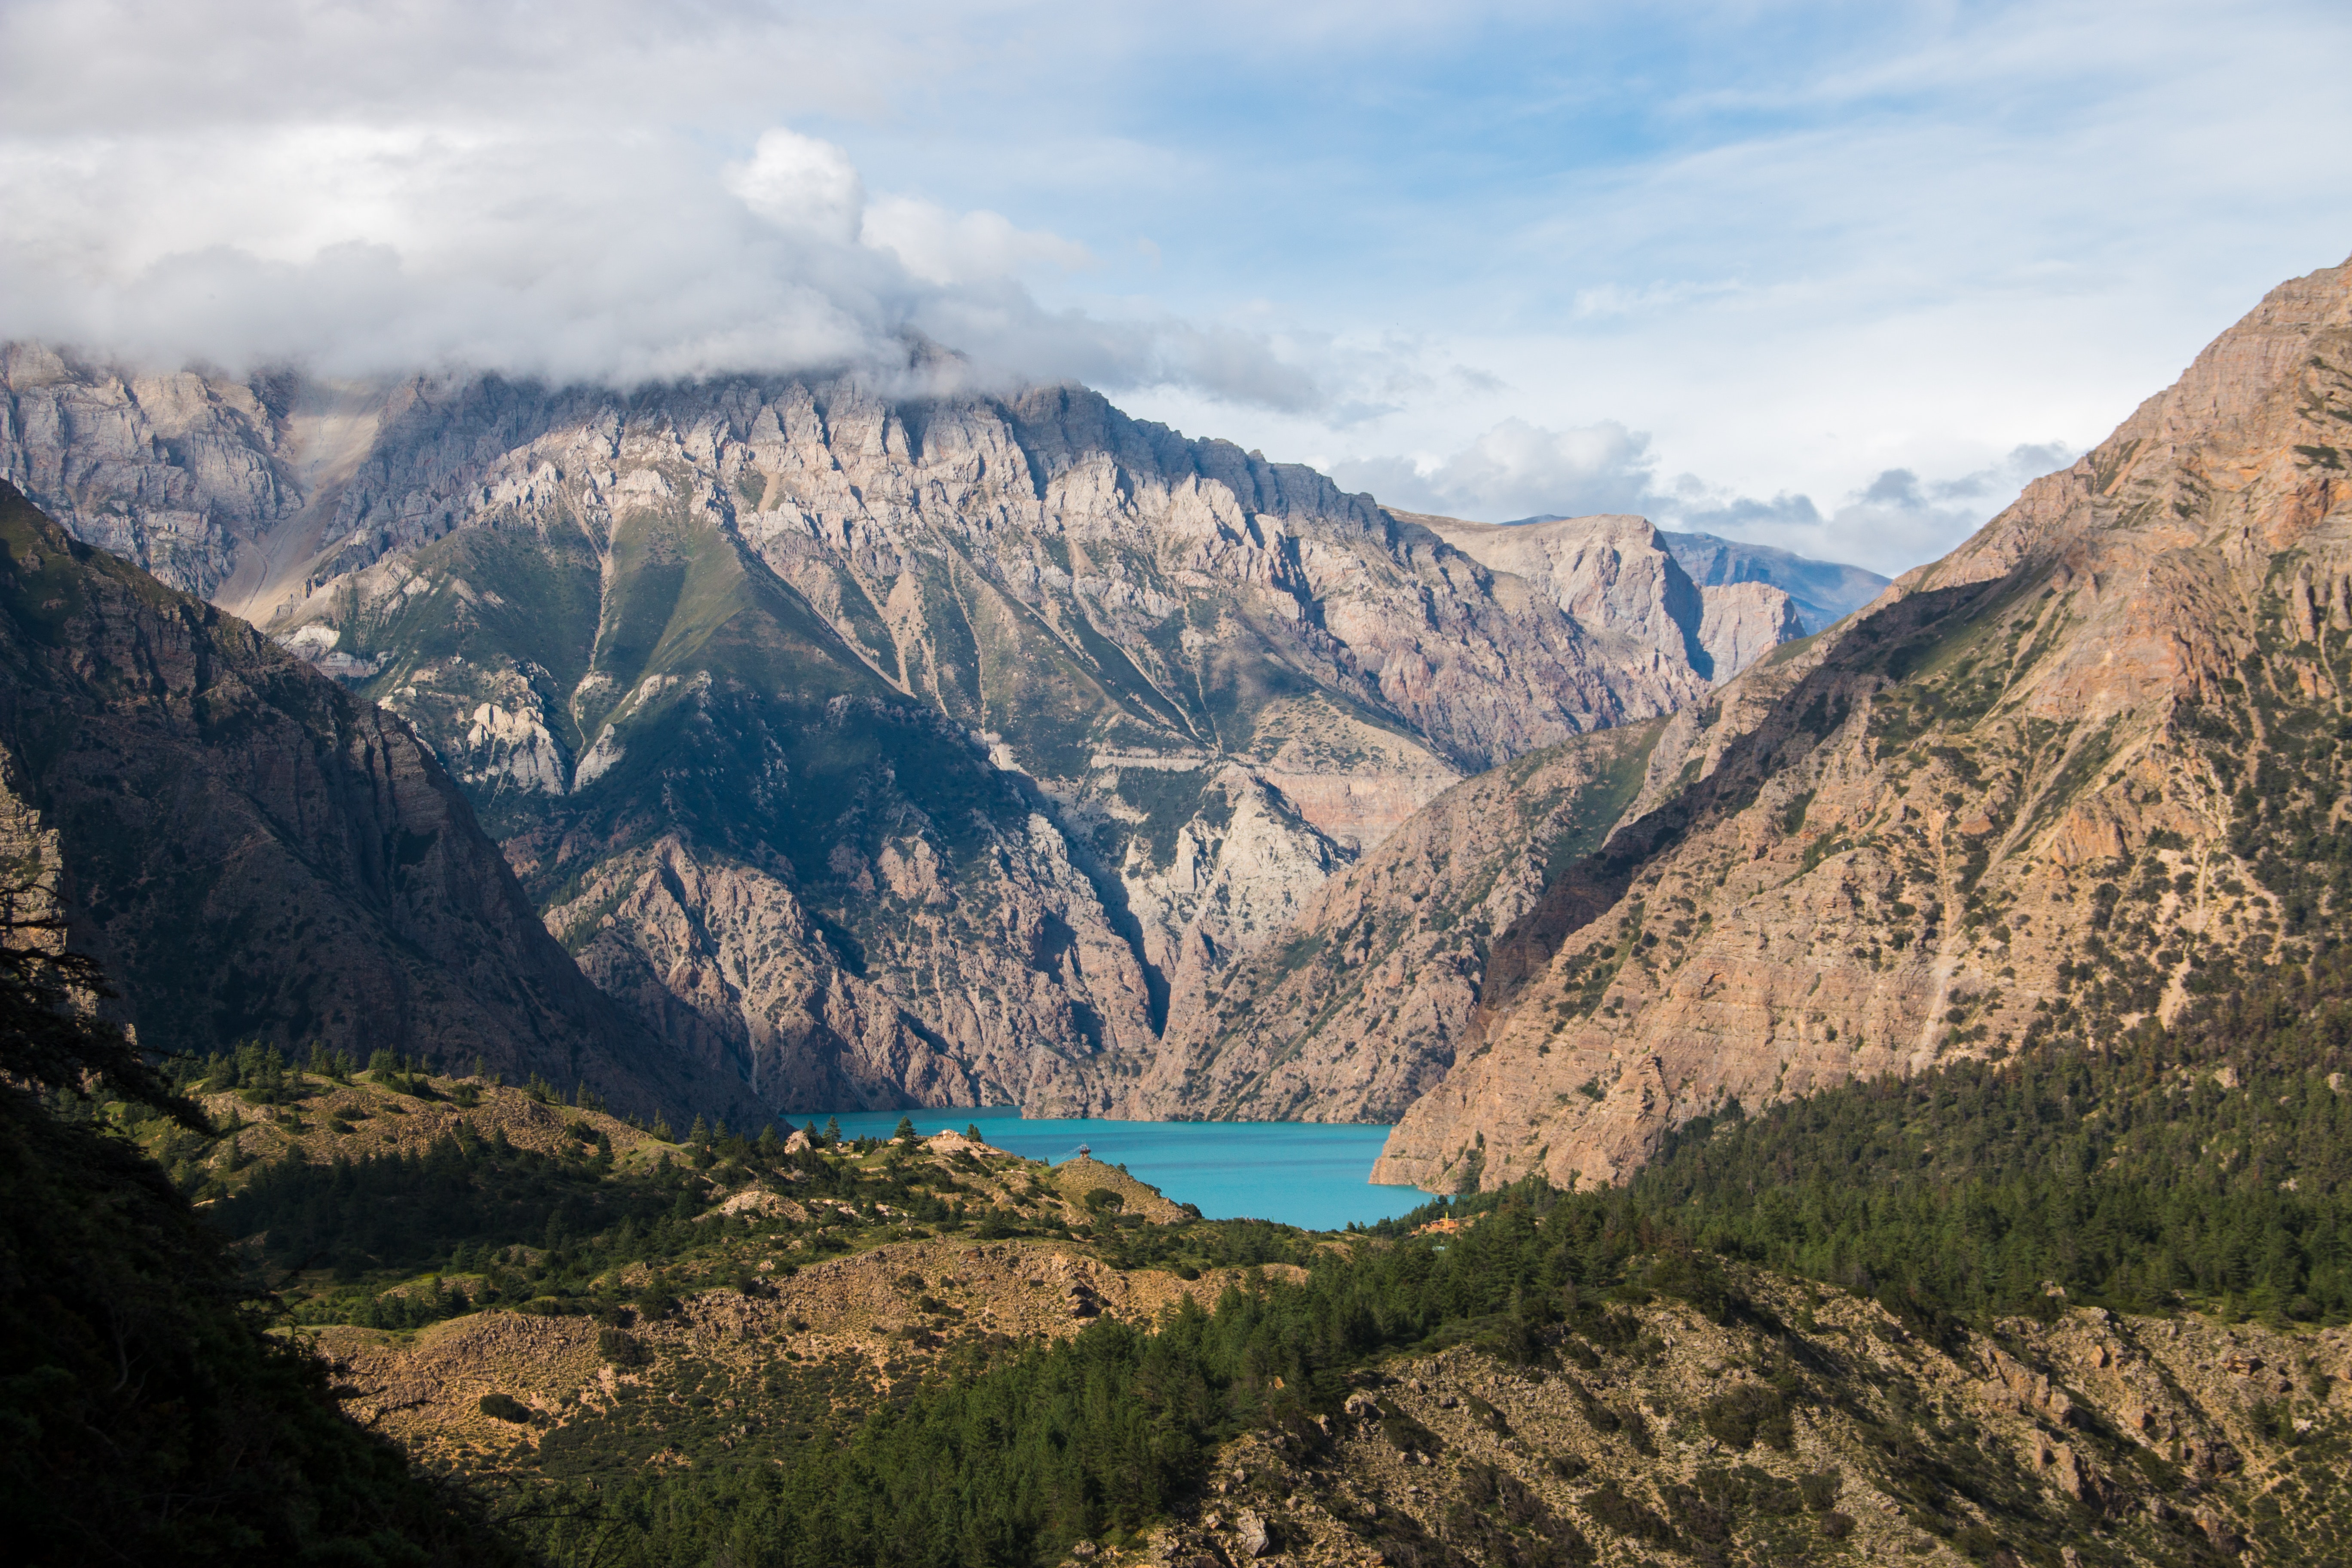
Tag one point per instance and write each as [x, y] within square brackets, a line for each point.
[368, 190]
[616, 257]
[1516, 469]
[949, 248]
[1892, 523]
[1796, 248]
[801, 184]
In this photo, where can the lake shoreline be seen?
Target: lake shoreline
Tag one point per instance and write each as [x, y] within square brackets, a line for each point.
[1312, 1175]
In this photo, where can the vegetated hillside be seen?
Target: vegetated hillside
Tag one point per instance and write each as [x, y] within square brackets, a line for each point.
[2206, 1166]
[254, 853]
[804, 1353]
[2082, 771]
[934, 749]
[149, 1417]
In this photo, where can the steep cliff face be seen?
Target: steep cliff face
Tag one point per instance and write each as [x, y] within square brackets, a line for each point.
[1357, 1008]
[2084, 767]
[252, 853]
[1742, 622]
[941, 749]
[1616, 574]
[173, 472]
[1399, 965]
[1823, 592]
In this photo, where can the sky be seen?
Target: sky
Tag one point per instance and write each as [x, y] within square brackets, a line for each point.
[1835, 278]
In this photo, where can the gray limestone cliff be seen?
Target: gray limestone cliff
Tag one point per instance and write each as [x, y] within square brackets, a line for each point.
[1822, 591]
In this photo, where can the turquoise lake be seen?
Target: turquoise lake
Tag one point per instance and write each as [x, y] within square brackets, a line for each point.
[1307, 1173]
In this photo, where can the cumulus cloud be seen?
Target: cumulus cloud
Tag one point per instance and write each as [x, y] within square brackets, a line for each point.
[801, 184]
[1890, 524]
[500, 198]
[946, 248]
[1518, 471]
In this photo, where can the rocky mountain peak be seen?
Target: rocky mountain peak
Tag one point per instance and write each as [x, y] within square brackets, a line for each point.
[2078, 772]
[1823, 592]
[880, 748]
[1615, 574]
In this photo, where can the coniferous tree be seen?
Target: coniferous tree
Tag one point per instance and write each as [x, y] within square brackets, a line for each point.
[150, 1416]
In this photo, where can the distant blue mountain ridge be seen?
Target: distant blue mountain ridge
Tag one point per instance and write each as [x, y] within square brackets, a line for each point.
[1824, 592]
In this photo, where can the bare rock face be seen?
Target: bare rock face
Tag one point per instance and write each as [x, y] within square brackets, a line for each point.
[172, 472]
[1742, 622]
[1823, 592]
[2053, 784]
[876, 752]
[1357, 1008]
[1617, 575]
[252, 853]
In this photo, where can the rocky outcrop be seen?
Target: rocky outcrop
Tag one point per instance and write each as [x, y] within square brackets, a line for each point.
[2055, 783]
[1741, 623]
[1357, 1008]
[1607, 571]
[1823, 592]
[1618, 576]
[1396, 966]
[252, 853]
[2140, 1439]
[175, 472]
[996, 728]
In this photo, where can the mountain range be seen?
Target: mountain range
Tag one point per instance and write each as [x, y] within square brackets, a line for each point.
[973, 750]
[1891, 1065]
[876, 752]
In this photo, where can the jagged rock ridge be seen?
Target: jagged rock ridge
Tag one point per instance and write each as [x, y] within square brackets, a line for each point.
[1617, 573]
[1357, 1009]
[941, 750]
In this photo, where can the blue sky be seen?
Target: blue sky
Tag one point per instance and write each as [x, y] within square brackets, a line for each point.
[1833, 277]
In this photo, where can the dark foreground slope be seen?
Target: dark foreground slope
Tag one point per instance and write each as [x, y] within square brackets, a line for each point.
[255, 854]
[145, 1417]
[2070, 1308]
